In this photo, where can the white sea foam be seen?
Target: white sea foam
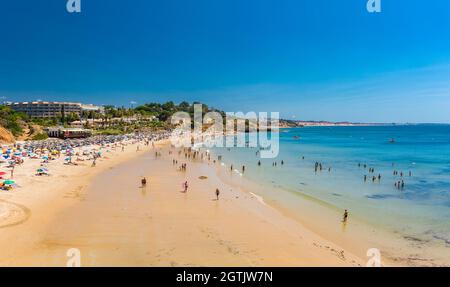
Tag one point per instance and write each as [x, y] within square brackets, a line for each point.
[259, 198]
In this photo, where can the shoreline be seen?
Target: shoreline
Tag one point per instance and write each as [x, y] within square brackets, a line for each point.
[36, 209]
[357, 236]
[52, 230]
[41, 198]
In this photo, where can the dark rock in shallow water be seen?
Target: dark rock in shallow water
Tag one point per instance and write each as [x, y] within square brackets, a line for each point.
[381, 196]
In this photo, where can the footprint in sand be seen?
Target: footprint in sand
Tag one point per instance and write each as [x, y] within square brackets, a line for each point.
[76, 193]
[12, 214]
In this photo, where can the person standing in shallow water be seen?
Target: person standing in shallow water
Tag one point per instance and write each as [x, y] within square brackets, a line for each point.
[345, 218]
[217, 193]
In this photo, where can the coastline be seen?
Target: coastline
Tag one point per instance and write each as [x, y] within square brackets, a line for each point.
[31, 206]
[317, 201]
[162, 227]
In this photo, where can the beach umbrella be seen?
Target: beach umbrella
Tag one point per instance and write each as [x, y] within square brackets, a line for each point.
[9, 182]
[2, 173]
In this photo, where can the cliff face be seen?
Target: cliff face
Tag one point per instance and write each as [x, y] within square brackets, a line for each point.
[6, 136]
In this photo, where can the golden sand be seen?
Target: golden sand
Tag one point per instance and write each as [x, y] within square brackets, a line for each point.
[104, 213]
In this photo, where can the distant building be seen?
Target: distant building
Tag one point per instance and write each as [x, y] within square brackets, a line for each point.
[51, 109]
[68, 133]
[92, 108]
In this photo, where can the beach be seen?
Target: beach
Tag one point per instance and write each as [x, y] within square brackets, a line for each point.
[104, 213]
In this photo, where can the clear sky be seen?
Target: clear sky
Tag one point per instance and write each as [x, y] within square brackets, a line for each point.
[309, 59]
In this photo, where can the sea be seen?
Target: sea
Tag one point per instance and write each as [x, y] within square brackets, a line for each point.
[410, 220]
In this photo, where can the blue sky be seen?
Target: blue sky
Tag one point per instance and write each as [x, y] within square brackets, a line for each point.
[309, 59]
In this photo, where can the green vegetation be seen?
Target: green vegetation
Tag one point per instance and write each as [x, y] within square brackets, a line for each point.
[12, 120]
[44, 122]
[40, 136]
[164, 111]
[114, 120]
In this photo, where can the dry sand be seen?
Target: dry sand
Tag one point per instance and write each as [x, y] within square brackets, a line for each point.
[104, 213]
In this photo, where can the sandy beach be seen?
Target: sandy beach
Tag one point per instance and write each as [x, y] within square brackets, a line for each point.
[105, 213]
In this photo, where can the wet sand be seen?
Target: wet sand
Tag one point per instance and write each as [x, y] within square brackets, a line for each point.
[114, 222]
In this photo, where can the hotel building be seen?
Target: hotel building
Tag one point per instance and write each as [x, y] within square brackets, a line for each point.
[51, 109]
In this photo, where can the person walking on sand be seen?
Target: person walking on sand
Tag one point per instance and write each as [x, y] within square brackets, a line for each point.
[217, 193]
[144, 182]
[344, 220]
[186, 186]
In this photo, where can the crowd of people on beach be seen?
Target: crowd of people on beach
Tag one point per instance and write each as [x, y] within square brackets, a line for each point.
[74, 151]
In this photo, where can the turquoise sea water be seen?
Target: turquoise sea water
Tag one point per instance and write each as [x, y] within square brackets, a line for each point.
[421, 209]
